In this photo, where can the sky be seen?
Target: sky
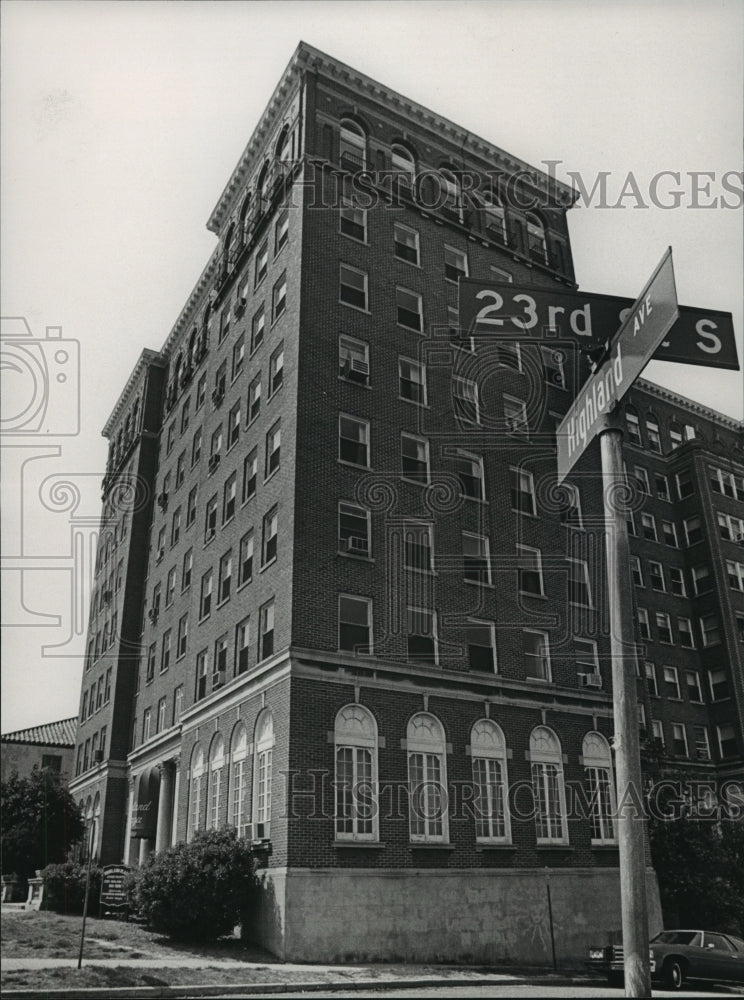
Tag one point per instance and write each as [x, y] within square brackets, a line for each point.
[121, 123]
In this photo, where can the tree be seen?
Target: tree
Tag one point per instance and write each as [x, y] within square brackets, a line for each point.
[40, 822]
[199, 890]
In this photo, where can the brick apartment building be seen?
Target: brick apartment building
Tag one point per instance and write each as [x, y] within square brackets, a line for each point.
[334, 572]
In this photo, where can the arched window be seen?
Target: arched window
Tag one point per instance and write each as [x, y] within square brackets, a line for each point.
[450, 193]
[633, 426]
[488, 751]
[263, 177]
[239, 779]
[352, 146]
[355, 737]
[403, 164]
[600, 789]
[227, 251]
[427, 779]
[547, 786]
[675, 435]
[494, 218]
[216, 764]
[195, 790]
[246, 218]
[537, 246]
[264, 744]
[282, 148]
[89, 842]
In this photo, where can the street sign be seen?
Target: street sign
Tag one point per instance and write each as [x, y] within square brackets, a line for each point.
[652, 316]
[699, 337]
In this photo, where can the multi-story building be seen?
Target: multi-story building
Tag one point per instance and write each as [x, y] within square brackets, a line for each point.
[340, 603]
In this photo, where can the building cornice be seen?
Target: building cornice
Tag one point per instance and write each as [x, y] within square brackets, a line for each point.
[689, 404]
[145, 360]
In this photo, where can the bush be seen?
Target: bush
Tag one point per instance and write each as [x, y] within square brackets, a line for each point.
[41, 821]
[64, 888]
[196, 891]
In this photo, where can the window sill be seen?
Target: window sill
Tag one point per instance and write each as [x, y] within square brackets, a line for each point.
[359, 309]
[351, 381]
[358, 558]
[269, 563]
[354, 239]
[410, 329]
[536, 597]
[271, 475]
[245, 583]
[557, 846]
[353, 465]
[480, 583]
[415, 846]
[414, 402]
[366, 845]
[604, 846]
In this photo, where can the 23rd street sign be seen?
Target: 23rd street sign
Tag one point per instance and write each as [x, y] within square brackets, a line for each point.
[652, 316]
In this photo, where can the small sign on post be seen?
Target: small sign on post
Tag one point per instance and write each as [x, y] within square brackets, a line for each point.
[652, 316]
[114, 895]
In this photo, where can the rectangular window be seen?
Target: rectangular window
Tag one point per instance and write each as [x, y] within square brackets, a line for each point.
[220, 662]
[180, 469]
[661, 485]
[273, 449]
[651, 680]
[412, 381]
[530, 571]
[353, 440]
[587, 660]
[515, 415]
[354, 623]
[250, 467]
[727, 744]
[633, 429]
[188, 565]
[233, 426]
[161, 716]
[579, 590]
[276, 370]
[220, 384]
[414, 453]
[677, 581]
[215, 447]
[281, 231]
[657, 731]
[476, 558]
[409, 309]
[210, 519]
[481, 646]
[684, 627]
[417, 546]
[724, 483]
[641, 476]
[693, 530]
[176, 526]
[191, 507]
[150, 670]
[730, 528]
[201, 390]
[522, 486]
[224, 327]
[355, 791]
[679, 740]
[352, 220]
[735, 574]
[238, 356]
[656, 576]
[643, 625]
[669, 534]
[202, 669]
[664, 627]
[719, 685]
[258, 325]
[547, 790]
[183, 636]
[671, 682]
[270, 536]
[652, 433]
[196, 446]
[254, 399]
[242, 645]
[684, 484]
[245, 568]
[229, 497]
[205, 598]
[279, 298]
[165, 651]
[146, 724]
[177, 703]
[710, 630]
[427, 804]
[648, 527]
[353, 287]
[262, 263]
[536, 654]
[353, 359]
[694, 688]
[422, 636]
[702, 582]
[465, 398]
[636, 571]
[353, 529]
[406, 244]
[266, 633]
[170, 587]
[455, 264]
[224, 585]
[469, 470]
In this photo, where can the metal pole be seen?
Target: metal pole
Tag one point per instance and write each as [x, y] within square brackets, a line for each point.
[87, 889]
[630, 820]
[550, 917]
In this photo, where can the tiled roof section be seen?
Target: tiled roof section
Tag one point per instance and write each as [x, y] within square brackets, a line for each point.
[52, 734]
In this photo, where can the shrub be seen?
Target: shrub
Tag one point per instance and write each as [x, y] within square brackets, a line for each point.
[64, 888]
[41, 821]
[196, 891]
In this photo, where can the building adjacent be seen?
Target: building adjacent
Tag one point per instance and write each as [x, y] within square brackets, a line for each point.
[335, 576]
[51, 745]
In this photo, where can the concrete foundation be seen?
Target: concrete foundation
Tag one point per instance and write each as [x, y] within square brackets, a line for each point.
[495, 917]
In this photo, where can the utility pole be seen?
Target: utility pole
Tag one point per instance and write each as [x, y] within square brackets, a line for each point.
[630, 820]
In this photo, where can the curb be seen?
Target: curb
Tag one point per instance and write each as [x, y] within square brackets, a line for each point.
[233, 989]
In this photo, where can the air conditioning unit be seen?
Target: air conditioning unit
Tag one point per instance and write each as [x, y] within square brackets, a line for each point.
[355, 544]
[152, 614]
[209, 534]
[107, 595]
[358, 367]
[218, 679]
[739, 539]
[217, 396]
[240, 304]
[592, 680]
[97, 756]
[261, 831]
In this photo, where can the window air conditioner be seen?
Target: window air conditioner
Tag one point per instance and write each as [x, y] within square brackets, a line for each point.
[592, 680]
[260, 831]
[355, 544]
[97, 756]
[359, 367]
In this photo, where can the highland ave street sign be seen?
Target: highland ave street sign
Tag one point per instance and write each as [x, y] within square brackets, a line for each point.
[652, 316]
[699, 337]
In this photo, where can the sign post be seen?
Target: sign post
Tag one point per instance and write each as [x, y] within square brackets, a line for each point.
[652, 316]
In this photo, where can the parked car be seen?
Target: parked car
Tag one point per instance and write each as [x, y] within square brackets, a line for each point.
[608, 961]
[703, 955]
